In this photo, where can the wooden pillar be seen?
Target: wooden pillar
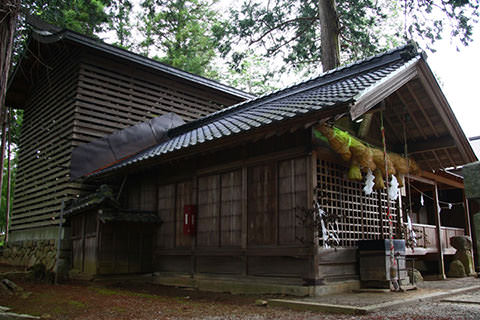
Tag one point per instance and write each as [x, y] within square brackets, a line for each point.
[193, 244]
[438, 230]
[244, 234]
[380, 213]
[468, 226]
[314, 272]
[400, 222]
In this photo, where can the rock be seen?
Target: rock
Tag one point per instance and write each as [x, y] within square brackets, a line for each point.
[38, 272]
[417, 276]
[261, 303]
[11, 286]
[457, 270]
[463, 244]
[32, 261]
[5, 289]
[50, 263]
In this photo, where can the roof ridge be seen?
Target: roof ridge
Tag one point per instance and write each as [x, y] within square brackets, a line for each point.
[339, 86]
[47, 33]
[405, 52]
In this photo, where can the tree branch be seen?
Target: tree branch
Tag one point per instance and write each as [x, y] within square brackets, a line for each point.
[281, 25]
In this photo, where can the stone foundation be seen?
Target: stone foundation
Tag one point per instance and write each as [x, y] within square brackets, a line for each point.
[27, 253]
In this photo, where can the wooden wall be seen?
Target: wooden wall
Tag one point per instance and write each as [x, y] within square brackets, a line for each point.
[84, 242]
[247, 220]
[45, 144]
[79, 95]
[113, 94]
[124, 248]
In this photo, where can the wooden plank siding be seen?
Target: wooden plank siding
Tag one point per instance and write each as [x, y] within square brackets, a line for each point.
[262, 205]
[45, 145]
[80, 95]
[273, 229]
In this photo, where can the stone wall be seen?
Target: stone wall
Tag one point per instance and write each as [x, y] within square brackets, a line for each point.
[27, 253]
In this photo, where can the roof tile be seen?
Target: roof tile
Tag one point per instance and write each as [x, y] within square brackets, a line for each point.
[335, 87]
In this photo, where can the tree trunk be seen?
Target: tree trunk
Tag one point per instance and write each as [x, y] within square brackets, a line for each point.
[9, 176]
[330, 48]
[9, 10]
[2, 146]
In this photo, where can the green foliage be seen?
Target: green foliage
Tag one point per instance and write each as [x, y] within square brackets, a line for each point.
[428, 19]
[119, 14]
[15, 136]
[250, 74]
[290, 29]
[84, 16]
[186, 32]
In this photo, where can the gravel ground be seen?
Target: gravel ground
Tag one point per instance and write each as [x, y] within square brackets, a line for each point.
[435, 309]
[364, 299]
[129, 300]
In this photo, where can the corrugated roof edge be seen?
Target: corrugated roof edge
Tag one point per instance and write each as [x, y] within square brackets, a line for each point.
[66, 34]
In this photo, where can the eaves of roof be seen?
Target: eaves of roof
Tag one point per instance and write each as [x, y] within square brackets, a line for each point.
[341, 86]
[65, 34]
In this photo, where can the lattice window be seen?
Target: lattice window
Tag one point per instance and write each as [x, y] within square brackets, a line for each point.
[362, 217]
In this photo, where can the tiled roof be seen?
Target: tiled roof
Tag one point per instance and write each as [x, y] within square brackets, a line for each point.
[336, 87]
[103, 195]
[111, 210]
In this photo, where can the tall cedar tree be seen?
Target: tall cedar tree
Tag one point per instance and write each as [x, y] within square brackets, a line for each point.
[9, 11]
[87, 17]
[184, 32]
[306, 32]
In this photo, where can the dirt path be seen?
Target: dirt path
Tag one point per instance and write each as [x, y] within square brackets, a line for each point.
[130, 300]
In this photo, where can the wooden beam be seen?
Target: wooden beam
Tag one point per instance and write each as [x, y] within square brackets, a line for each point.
[452, 163]
[435, 93]
[381, 91]
[443, 180]
[425, 159]
[431, 144]
[389, 122]
[419, 178]
[440, 164]
[414, 119]
[419, 105]
[438, 230]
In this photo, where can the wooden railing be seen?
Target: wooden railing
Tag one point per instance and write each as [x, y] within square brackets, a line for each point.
[428, 241]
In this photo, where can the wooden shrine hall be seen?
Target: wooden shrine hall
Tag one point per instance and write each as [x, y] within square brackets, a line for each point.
[223, 199]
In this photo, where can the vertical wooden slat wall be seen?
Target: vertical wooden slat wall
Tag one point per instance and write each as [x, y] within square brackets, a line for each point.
[79, 96]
